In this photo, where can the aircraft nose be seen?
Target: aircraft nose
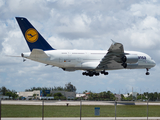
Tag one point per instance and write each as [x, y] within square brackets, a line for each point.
[154, 63]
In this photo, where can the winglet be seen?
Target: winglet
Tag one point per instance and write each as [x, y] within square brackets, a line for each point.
[116, 47]
[113, 42]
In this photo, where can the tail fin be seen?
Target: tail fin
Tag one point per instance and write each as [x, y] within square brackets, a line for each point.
[32, 36]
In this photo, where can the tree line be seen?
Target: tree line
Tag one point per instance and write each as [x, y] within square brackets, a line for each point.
[145, 96]
[7, 92]
[102, 96]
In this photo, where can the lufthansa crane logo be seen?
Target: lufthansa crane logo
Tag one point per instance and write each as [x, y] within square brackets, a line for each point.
[31, 35]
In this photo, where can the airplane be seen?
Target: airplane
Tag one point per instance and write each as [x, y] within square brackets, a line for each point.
[92, 62]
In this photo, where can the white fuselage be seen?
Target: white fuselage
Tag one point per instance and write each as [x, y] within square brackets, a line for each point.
[72, 60]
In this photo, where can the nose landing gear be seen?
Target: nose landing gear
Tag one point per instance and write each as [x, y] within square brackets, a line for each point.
[147, 73]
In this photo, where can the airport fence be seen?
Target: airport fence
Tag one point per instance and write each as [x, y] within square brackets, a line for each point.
[79, 109]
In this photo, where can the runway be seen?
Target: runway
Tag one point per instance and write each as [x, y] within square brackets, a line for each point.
[38, 102]
[87, 118]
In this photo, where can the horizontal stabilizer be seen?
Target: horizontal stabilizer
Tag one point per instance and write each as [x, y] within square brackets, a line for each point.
[38, 53]
[12, 56]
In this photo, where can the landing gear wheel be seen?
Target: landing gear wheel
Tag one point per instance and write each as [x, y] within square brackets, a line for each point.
[84, 73]
[96, 74]
[102, 72]
[87, 74]
[147, 73]
[106, 73]
[90, 73]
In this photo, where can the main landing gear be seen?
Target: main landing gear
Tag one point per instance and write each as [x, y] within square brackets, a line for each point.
[147, 73]
[103, 72]
[92, 73]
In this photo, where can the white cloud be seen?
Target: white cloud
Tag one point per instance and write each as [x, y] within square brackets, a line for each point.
[1, 3]
[144, 34]
[145, 8]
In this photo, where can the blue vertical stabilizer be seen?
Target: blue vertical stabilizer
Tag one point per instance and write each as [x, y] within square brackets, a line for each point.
[32, 36]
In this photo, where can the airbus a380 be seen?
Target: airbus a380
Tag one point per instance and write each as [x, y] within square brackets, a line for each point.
[92, 62]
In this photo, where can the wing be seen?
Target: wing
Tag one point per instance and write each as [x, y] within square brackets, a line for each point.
[112, 60]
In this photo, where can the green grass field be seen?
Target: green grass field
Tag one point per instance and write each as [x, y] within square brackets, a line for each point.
[74, 111]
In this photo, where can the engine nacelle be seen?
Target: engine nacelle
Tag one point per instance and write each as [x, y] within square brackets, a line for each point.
[130, 59]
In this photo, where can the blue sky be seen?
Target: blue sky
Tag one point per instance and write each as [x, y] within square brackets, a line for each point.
[86, 25]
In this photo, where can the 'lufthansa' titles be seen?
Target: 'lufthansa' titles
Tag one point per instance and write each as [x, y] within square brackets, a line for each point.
[31, 35]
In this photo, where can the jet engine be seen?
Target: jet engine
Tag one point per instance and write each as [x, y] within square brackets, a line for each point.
[130, 59]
